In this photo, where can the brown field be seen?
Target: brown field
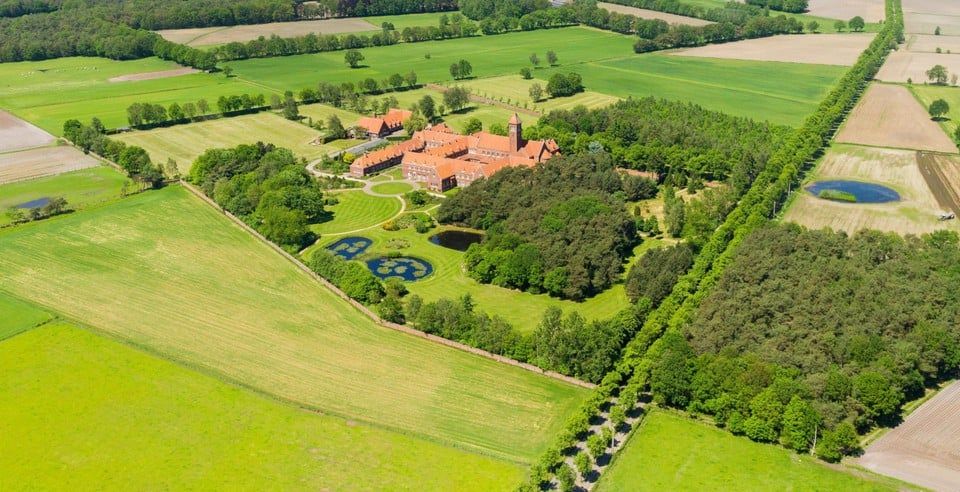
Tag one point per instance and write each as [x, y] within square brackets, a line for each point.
[153, 75]
[923, 16]
[942, 174]
[16, 134]
[915, 213]
[221, 35]
[824, 49]
[653, 14]
[890, 116]
[902, 65]
[44, 161]
[870, 10]
[928, 43]
[925, 448]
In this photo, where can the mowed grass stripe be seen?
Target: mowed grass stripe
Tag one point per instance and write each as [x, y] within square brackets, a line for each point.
[164, 271]
[357, 210]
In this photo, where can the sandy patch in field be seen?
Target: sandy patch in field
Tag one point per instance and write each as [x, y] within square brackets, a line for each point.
[916, 212]
[889, 116]
[824, 49]
[223, 35]
[870, 10]
[17, 134]
[653, 14]
[926, 43]
[925, 448]
[902, 65]
[46, 161]
[162, 74]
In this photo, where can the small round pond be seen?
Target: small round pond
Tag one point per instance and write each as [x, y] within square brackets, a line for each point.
[458, 240]
[402, 267]
[349, 247]
[39, 202]
[853, 191]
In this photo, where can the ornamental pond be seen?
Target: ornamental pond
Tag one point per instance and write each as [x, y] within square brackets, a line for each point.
[349, 248]
[860, 191]
[404, 267]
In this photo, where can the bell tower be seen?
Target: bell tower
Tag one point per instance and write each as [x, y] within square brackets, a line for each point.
[515, 132]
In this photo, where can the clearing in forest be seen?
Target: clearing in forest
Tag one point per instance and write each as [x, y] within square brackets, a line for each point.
[42, 161]
[207, 36]
[653, 14]
[825, 49]
[16, 134]
[890, 116]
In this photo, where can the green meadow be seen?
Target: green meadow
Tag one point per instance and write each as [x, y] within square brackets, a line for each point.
[400, 22]
[926, 94]
[168, 273]
[17, 316]
[826, 24]
[356, 210]
[82, 412]
[81, 189]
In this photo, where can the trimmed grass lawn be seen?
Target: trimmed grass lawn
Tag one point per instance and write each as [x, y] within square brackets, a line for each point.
[17, 317]
[356, 210]
[392, 188]
[168, 273]
[671, 452]
[513, 89]
[81, 189]
[79, 411]
[184, 143]
[783, 93]
[49, 92]
[929, 93]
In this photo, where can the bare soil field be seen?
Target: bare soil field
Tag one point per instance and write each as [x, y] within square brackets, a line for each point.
[902, 65]
[925, 448]
[916, 212]
[890, 116]
[221, 35]
[16, 134]
[870, 10]
[928, 43]
[44, 161]
[823, 49]
[942, 174]
[653, 14]
[923, 16]
[162, 74]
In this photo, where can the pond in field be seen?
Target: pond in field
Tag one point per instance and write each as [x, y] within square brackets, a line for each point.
[349, 247]
[39, 202]
[863, 192]
[458, 240]
[404, 267]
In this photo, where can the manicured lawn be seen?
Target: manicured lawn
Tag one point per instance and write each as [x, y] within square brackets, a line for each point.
[671, 452]
[929, 93]
[17, 316]
[356, 210]
[80, 188]
[81, 412]
[513, 89]
[166, 272]
[184, 143]
[49, 92]
[783, 93]
[392, 188]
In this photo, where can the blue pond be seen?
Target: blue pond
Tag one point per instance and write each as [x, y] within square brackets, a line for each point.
[865, 192]
[404, 267]
[349, 247]
[39, 202]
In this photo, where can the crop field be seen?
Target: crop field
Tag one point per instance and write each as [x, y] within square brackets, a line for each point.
[929, 93]
[928, 43]
[357, 210]
[42, 161]
[513, 89]
[925, 448]
[653, 14]
[870, 10]
[825, 21]
[137, 419]
[47, 93]
[824, 49]
[170, 274]
[81, 189]
[783, 93]
[671, 452]
[903, 66]
[915, 213]
[206, 36]
[18, 317]
[923, 16]
[184, 143]
[16, 134]
[890, 116]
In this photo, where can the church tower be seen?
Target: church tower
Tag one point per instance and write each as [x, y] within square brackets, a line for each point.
[516, 133]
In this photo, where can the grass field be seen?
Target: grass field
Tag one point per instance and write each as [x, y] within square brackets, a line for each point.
[82, 412]
[486, 113]
[49, 92]
[356, 210]
[929, 93]
[826, 24]
[514, 90]
[321, 112]
[391, 188]
[408, 20]
[80, 188]
[17, 317]
[670, 452]
[171, 274]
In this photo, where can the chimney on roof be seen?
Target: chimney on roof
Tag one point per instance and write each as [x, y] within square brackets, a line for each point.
[515, 132]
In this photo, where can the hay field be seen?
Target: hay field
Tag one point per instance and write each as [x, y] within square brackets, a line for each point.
[514, 90]
[672, 452]
[42, 161]
[82, 412]
[927, 43]
[870, 10]
[825, 49]
[16, 134]
[184, 143]
[903, 65]
[889, 116]
[923, 16]
[168, 273]
[925, 448]
[653, 14]
[915, 213]
[206, 36]
[81, 189]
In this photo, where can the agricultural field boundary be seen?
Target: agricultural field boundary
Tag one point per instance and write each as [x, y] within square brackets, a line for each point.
[373, 316]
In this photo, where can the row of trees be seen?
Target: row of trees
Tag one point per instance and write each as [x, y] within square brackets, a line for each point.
[794, 6]
[55, 206]
[134, 160]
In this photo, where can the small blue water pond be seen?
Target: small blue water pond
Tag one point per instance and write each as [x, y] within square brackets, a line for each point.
[349, 247]
[403, 267]
[39, 202]
[865, 192]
